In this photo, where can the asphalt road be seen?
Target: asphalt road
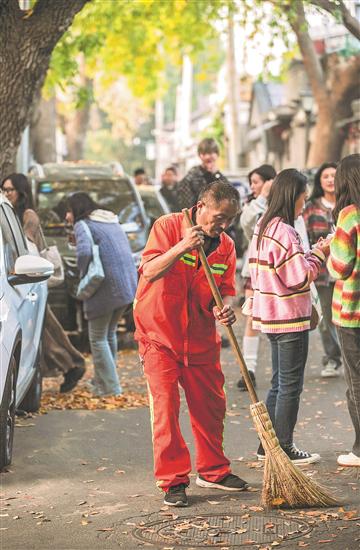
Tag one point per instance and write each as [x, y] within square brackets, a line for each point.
[83, 479]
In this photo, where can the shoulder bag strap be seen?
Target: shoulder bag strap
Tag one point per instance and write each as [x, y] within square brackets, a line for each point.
[87, 231]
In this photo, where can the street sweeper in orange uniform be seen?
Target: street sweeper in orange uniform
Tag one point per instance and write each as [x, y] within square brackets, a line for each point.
[175, 320]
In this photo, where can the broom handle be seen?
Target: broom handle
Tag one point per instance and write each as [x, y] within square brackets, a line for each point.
[220, 304]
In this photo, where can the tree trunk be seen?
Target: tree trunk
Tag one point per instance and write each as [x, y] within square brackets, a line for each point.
[43, 131]
[332, 91]
[27, 40]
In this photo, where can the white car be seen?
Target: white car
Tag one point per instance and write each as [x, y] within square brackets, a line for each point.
[23, 298]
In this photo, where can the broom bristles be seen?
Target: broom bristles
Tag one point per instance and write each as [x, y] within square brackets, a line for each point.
[284, 483]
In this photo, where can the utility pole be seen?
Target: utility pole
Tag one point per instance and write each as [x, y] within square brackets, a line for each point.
[233, 99]
[184, 108]
[159, 125]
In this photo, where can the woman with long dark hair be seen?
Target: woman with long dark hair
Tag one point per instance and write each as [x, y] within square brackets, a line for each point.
[281, 273]
[116, 292]
[59, 355]
[344, 266]
[319, 220]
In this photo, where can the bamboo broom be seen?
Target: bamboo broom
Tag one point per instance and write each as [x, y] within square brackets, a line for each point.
[284, 484]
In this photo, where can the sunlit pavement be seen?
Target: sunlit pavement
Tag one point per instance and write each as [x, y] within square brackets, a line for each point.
[83, 479]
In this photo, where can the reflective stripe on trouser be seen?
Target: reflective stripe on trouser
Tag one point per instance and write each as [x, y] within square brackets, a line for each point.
[203, 386]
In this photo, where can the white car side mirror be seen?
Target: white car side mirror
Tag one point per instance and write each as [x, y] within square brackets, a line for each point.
[33, 266]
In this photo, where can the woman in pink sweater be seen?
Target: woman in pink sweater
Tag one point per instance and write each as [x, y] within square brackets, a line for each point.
[281, 273]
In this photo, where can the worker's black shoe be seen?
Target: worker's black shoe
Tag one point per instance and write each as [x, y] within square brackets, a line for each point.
[71, 378]
[176, 496]
[241, 384]
[230, 482]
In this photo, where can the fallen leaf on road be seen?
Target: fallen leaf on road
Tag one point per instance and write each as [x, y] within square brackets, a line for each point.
[213, 502]
[23, 425]
[277, 501]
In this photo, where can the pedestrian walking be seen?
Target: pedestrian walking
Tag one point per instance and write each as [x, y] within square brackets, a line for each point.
[281, 273]
[260, 180]
[58, 354]
[116, 292]
[175, 317]
[319, 220]
[200, 176]
[344, 266]
[169, 189]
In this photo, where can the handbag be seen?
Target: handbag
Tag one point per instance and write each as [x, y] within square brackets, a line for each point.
[95, 275]
[52, 254]
[316, 312]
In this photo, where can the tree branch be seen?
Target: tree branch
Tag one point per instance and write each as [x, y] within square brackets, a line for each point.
[350, 22]
[51, 19]
[311, 60]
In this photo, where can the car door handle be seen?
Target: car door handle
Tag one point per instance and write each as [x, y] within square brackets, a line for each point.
[32, 297]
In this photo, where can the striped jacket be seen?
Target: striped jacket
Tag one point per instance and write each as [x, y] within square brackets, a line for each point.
[281, 273]
[344, 265]
[319, 222]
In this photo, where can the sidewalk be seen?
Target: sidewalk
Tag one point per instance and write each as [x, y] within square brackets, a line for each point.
[83, 479]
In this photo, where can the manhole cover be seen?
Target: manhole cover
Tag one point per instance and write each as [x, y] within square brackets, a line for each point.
[221, 530]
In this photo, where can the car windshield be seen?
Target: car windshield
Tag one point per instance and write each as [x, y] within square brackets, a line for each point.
[115, 195]
[152, 205]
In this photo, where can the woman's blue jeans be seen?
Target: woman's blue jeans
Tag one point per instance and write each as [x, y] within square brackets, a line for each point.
[103, 344]
[289, 353]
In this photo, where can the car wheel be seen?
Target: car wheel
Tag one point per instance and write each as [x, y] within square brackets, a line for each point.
[7, 415]
[32, 399]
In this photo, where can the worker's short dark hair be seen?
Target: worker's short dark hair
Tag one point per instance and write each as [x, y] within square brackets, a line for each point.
[218, 191]
[139, 172]
[208, 145]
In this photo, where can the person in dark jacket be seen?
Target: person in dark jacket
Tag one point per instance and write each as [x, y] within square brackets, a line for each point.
[116, 292]
[169, 188]
[201, 176]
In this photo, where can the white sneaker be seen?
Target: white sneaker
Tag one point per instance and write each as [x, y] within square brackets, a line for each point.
[331, 370]
[350, 460]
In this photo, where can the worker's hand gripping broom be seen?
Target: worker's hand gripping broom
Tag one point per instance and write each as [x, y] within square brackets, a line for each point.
[284, 484]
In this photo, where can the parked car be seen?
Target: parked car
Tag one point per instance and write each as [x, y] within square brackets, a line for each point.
[51, 184]
[22, 308]
[154, 203]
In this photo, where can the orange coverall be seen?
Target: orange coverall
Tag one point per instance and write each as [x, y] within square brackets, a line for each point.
[178, 343]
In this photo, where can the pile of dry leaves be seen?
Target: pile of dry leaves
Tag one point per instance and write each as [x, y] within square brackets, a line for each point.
[83, 399]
